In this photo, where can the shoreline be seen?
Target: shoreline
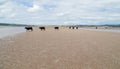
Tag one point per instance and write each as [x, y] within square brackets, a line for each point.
[102, 30]
[10, 31]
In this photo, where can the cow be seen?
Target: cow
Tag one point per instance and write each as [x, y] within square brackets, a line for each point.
[29, 28]
[73, 27]
[57, 28]
[70, 27]
[42, 28]
[76, 27]
[96, 27]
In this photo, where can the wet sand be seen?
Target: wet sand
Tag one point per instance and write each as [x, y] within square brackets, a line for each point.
[63, 49]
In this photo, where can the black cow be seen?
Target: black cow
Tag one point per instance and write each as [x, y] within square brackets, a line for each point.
[76, 27]
[70, 27]
[57, 28]
[73, 27]
[96, 27]
[42, 28]
[29, 28]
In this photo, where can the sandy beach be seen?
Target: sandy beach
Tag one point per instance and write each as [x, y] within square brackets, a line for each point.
[61, 49]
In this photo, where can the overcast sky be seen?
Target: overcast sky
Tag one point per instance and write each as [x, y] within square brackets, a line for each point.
[60, 12]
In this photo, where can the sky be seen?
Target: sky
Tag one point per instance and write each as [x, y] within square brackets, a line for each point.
[60, 12]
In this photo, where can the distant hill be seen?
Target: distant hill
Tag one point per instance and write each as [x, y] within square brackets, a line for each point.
[7, 24]
[111, 25]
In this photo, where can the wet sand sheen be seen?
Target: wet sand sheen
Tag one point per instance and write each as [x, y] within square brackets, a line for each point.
[63, 49]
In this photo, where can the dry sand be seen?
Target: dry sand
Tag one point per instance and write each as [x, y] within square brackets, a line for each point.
[63, 49]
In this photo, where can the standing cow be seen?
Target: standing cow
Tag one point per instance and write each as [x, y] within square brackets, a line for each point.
[42, 28]
[76, 27]
[56, 28]
[29, 28]
[70, 27]
[73, 27]
[96, 27]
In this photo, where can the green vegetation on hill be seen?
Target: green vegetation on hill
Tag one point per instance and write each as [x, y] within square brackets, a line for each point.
[110, 25]
[10, 24]
[7, 24]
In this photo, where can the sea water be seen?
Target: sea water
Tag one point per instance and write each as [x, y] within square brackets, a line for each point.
[104, 30]
[4, 32]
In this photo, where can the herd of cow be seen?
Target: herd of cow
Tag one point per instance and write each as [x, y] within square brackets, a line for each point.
[29, 28]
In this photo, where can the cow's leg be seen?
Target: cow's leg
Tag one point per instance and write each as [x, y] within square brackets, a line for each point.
[32, 29]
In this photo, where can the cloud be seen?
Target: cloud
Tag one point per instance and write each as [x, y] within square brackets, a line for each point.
[3, 1]
[35, 8]
[60, 11]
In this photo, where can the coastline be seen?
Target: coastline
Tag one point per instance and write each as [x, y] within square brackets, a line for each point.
[10, 31]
